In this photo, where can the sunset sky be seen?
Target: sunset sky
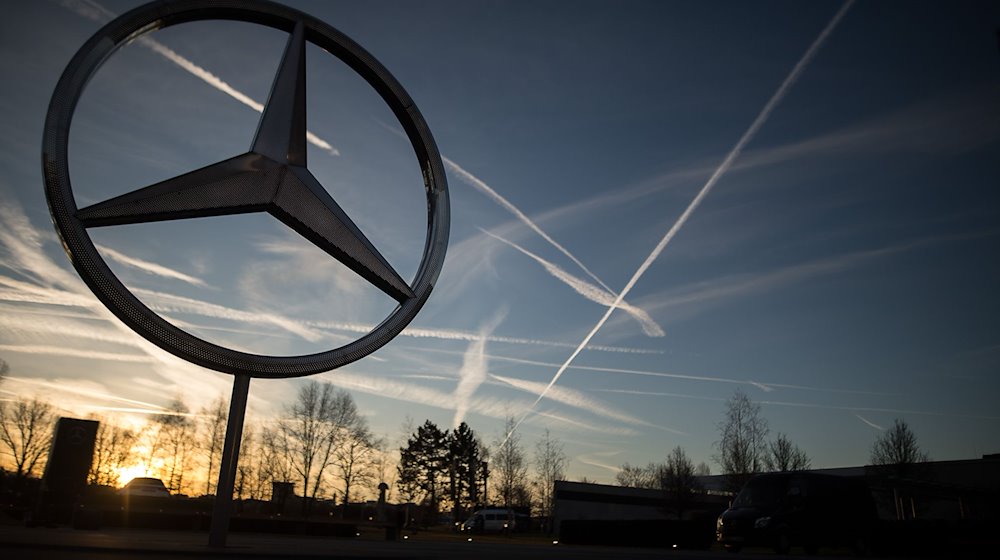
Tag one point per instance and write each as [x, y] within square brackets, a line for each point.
[840, 266]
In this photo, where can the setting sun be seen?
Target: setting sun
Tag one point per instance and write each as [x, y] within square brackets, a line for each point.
[126, 474]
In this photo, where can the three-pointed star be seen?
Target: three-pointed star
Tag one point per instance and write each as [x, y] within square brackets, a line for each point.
[272, 177]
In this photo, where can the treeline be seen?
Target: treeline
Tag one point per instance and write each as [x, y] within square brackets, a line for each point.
[452, 470]
[743, 450]
[320, 442]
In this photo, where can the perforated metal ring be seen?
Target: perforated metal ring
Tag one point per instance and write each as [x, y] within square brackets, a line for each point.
[110, 290]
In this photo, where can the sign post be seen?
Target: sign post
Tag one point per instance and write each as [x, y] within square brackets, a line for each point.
[271, 177]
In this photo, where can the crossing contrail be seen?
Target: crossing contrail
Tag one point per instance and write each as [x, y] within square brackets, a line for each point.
[507, 205]
[586, 289]
[755, 126]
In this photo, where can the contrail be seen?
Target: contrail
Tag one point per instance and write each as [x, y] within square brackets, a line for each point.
[506, 204]
[151, 268]
[586, 289]
[766, 386]
[75, 353]
[96, 12]
[474, 368]
[755, 126]
[869, 422]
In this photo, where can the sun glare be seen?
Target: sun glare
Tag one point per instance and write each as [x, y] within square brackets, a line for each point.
[126, 474]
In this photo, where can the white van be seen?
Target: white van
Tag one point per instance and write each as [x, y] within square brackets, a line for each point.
[490, 521]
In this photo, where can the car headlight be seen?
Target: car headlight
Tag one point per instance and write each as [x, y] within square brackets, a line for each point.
[761, 522]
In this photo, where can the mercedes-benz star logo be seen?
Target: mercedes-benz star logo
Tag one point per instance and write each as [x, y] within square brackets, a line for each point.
[271, 177]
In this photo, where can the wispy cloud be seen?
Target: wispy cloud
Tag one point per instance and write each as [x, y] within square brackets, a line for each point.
[469, 336]
[96, 12]
[586, 289]
[25, 245]
[170, 303]
[390, 388]
[474, 368]
[51, 350]
[26, 292]
[766, 386]
[584, 426]
[53, 285]
[755, 126]
[150, 268]
[857, 409]
[83, 388]
[579, 400]
[599, 459]
[659, 394]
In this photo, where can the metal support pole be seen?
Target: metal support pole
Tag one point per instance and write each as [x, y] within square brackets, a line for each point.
[222, 508]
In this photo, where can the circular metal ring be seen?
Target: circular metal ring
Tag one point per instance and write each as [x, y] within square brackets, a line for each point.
[110, 290]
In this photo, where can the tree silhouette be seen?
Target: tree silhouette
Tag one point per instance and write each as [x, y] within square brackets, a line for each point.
[26, 432]
[212, 437]
[509, 467]
[464, 457]
[176, 441]
[422, 463]
[355, 457]
[783, 455]
[897, 448]
[550, 466]
[678, 481]
[311, 431]
[638, 477]
[112, 452]
[742, 446]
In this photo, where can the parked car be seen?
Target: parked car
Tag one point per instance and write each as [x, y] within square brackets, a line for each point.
[143, 486]
[811, 510]
[491, 521]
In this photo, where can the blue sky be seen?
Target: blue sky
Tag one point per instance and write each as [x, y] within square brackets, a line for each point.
[842, 270]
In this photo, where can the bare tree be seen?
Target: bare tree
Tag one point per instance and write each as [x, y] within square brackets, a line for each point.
[898, 448]
[509, 467]
[175, 435]
[550, 466]
[311, 430]
[355, 457]
[4, 369]
[26, 432]
[678, 481]
[245, 485]
[112, 452]
[783, 455]
[268, 459]
[742, 446]
[212, 437]
[638, 477]
[703, 469]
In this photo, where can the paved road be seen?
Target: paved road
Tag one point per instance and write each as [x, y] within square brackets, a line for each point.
[40, 543]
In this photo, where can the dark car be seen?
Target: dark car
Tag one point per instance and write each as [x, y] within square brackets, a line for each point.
[811, 510]
[146, 487]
